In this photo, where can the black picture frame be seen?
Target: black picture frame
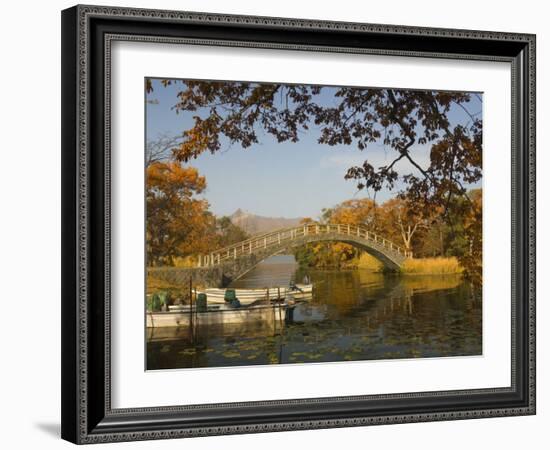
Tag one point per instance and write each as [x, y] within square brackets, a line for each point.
[87, 415]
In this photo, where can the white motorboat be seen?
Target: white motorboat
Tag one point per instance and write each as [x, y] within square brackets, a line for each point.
[249, 296]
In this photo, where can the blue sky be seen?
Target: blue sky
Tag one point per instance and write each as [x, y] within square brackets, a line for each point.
[280, 179]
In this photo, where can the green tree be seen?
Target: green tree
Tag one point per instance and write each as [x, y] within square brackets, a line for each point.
[228, 232]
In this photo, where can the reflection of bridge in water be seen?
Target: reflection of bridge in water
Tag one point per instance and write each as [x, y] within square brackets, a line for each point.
[263, 246]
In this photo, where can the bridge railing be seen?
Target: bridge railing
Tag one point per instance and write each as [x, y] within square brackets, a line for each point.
[287, 235]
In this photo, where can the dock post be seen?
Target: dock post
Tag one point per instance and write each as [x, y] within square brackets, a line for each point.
[191, 307]
[273, 308]
[280, 318]
[196, 321]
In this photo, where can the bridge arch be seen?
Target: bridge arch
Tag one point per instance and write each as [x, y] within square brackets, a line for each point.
[239, 258]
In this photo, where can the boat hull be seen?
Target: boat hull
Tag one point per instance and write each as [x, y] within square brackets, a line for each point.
[271, 314]
[249, 296]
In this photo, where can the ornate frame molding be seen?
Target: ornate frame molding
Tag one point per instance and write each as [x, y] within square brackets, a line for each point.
[83, 421]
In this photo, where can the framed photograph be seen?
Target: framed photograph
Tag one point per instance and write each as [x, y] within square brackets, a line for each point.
[279, 224]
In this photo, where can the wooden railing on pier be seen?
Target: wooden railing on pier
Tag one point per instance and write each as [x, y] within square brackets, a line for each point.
[286, 236]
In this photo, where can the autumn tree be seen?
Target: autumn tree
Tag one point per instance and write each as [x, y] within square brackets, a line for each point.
[402, 120]
[402, 221]
[177, 221]
[360, 212]
[160, 149]
[472, 258]
[433, 242]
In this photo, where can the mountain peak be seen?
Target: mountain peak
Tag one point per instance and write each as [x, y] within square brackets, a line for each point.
[254, 224]
[239, 212]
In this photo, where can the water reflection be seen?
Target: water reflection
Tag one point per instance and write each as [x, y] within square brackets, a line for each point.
[353, 315]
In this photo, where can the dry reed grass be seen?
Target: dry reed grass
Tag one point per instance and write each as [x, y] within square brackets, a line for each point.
[432, 266]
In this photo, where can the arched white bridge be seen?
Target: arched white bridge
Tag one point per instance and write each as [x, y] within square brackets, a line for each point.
[275, 242]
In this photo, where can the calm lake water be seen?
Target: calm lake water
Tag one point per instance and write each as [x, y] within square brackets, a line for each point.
[353, 315]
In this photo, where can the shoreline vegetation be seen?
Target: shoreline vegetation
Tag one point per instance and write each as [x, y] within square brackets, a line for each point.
[439, 247]
[438, 265]
[432, 266]
[413, 267]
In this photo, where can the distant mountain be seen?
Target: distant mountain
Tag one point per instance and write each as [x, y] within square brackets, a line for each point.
[253, 224]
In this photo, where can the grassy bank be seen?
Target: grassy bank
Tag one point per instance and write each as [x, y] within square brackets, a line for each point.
[416, 266]
[369, 262]
[157, 285]
[431, 266]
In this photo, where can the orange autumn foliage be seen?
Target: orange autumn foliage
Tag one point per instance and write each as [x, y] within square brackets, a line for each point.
[177, 221]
